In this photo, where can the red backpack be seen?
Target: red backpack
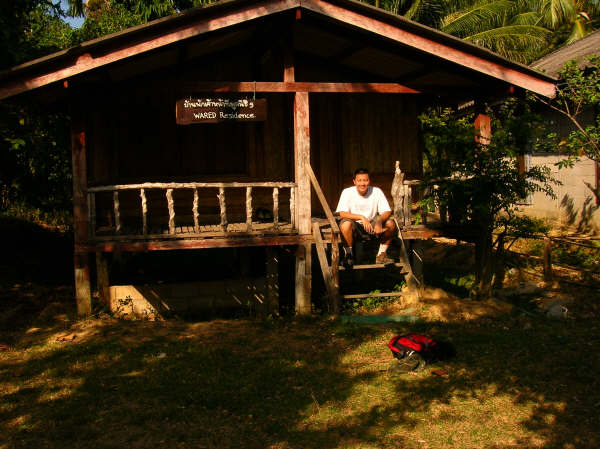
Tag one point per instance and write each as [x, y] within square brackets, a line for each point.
[413, 351]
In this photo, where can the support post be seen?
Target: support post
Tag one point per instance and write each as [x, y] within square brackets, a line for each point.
[102, 278]
[83, 295]
[303, 279]
[272, 281]
[303, 204]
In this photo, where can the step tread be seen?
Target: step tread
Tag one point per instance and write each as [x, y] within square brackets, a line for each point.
[373, 265]
[373, 295]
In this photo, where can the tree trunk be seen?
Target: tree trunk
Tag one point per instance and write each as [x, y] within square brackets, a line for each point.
[499, 263]
[484, 264]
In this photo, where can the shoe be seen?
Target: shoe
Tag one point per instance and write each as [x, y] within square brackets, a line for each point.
[383, 259]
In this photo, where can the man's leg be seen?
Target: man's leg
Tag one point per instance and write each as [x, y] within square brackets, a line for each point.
[347, 230]
[386, 237]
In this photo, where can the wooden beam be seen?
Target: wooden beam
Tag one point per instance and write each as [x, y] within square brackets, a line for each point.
[170, 245]
[188, 185]
[83, 295]
[430, 46]
[290, 86]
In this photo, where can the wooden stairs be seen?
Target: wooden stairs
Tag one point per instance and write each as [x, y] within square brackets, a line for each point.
[327, 239]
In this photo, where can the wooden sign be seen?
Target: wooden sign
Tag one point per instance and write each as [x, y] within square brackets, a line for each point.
[215, 110]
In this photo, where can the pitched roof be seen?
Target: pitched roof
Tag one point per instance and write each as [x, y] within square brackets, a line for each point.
[402, 34]
[580, 51]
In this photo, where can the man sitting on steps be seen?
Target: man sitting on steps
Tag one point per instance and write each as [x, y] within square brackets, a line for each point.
[365, 214]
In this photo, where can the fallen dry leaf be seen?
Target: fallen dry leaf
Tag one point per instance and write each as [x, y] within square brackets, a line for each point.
[4, 347]
[69, 337]
[439, 372]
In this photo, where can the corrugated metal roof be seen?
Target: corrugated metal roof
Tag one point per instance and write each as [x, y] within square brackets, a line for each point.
[580, 51]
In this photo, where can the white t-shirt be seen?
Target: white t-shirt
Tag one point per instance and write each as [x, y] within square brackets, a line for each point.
[372, 204]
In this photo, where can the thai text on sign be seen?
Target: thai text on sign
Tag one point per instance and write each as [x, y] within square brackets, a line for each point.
[215, 110]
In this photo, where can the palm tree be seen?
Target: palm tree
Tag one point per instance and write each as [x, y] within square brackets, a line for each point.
[508, 27]
[521, 30]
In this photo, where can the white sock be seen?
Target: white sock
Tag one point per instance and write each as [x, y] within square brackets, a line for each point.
[382, 249]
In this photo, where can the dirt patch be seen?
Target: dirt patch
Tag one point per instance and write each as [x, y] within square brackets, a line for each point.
[436, 304]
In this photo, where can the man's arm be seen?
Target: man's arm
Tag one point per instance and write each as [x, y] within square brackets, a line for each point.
[381, 219]
[363, 220]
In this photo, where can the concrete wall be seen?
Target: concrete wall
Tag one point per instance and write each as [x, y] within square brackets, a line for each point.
[158, 301]
[575, 204]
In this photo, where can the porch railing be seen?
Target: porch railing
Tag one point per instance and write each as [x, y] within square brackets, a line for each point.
[170, 187]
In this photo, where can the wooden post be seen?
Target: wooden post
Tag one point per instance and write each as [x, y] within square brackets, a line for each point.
[275, 208]
[195, 212]
[303, 206]
[302, 158]
[83, 294]
[116, 205]
[249, 209]
[407, 205]
[303, 279]
[398, 194]
[548, 274]
[171, 206]
[102, 279]
[223, 208]
[293, 207]
[144, 212]
[272, 281]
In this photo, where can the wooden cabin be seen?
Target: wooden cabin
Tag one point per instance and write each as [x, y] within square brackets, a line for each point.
[239, 123]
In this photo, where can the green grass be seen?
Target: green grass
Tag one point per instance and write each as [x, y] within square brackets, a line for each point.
[307, 383]
[516, 382]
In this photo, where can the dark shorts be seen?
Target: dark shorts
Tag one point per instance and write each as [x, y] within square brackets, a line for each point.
[359, 232]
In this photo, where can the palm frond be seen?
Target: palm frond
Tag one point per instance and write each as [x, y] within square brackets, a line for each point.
[427, 12]
[521, 43]
[579, 30]
[557, 12]
[526, 18]
[477, 18]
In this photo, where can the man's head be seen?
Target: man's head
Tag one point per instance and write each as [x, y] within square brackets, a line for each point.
[361, 180]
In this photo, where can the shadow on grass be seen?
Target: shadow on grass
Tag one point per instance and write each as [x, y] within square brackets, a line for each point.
[33, 253]
[303, 384]
[300, 384]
